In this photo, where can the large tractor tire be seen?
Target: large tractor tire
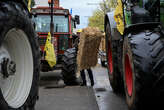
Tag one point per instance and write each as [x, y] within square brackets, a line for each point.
[19, 58]
[69, 67]
[142, 56]
[112, 47]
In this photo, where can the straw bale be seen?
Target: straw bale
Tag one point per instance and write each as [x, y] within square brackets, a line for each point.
[90, 39]
[102, 44]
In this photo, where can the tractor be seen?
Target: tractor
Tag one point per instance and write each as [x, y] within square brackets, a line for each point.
[61, 23]
[135, 51]
[19, 56]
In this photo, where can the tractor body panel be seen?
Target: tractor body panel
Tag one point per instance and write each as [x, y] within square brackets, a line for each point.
[141, 12]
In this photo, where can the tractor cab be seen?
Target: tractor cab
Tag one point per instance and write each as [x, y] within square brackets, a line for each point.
[64, 23]
[143, 11]
[62, 27]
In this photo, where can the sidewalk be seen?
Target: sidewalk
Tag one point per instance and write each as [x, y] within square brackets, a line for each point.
[105, 97]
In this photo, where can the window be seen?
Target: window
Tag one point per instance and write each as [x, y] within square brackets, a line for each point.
[42, 23]
[72, 24]
[61, 23]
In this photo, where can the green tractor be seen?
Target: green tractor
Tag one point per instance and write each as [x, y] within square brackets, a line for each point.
[135, 51]
[19, 57]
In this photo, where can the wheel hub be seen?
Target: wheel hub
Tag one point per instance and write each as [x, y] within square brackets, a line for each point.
[8, 67]
[16, 68]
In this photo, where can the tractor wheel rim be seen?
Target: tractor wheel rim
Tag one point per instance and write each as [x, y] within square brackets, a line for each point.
[110, 60]
[128, 76]
[16, 88]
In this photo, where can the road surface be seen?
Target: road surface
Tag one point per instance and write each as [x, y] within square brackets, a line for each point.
[54, 96]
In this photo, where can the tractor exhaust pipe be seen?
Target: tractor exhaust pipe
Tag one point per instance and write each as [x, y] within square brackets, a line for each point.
[51, 4]
[55, 2]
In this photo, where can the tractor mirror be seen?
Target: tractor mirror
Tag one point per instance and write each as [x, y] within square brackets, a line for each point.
[74, 25]
[77, 19]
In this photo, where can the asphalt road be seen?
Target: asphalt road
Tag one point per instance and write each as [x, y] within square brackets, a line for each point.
[55, 96]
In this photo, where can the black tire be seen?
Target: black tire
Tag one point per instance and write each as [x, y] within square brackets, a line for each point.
[13, 15]
[113, 66]
[45, 67]
[69, 67]
[142, 55]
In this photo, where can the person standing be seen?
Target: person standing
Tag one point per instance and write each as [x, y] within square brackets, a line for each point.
[88, 47]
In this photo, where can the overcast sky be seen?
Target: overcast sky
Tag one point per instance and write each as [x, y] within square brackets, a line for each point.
[79, 7]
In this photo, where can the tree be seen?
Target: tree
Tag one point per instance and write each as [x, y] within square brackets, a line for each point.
[97, 19]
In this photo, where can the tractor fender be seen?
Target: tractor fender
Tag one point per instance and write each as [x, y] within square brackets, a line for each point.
[109, 18]
[141, 26]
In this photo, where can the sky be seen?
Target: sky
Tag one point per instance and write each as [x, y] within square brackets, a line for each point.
[84, 8]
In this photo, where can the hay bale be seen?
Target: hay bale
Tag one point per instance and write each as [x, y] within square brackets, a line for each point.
[103, 44]
[90, 39]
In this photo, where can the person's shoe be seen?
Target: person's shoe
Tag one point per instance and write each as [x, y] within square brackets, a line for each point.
[92, 83]
[83, 84]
